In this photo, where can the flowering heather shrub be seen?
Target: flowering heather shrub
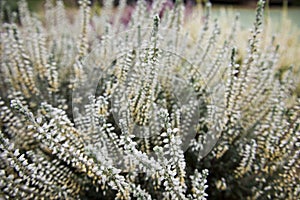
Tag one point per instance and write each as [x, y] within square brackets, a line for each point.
[102, 107]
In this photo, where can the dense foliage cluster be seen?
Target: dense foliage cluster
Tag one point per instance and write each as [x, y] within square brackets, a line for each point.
[104, 106]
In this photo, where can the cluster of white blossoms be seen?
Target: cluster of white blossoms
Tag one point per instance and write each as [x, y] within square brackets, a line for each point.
[128, 104]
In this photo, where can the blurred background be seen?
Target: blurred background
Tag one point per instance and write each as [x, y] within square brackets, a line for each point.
[36, 4]
[244, 7]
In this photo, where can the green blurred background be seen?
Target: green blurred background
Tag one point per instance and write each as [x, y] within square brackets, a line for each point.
[37, 4]
[244, 7]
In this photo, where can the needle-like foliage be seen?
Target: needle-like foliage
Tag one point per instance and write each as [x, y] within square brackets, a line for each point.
[113, 105]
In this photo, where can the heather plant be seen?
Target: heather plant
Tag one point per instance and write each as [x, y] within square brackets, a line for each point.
[101, 107]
